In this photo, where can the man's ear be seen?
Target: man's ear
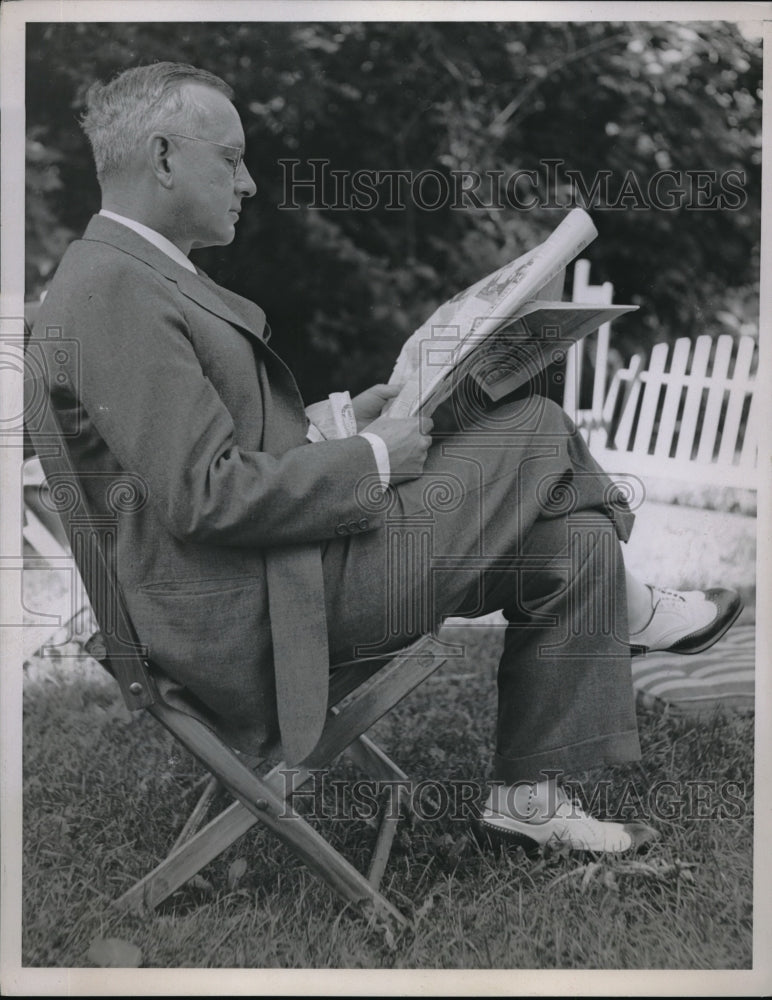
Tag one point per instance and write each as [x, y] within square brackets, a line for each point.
[158, 151]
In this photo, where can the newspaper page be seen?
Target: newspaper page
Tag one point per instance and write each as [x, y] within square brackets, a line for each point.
[463, 322]
[537, 336]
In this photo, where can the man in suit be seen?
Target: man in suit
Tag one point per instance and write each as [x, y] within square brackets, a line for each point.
[254, 557]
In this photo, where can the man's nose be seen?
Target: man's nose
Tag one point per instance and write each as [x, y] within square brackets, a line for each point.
[245, 186]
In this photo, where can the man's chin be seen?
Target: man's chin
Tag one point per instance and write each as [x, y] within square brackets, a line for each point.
[216, 241]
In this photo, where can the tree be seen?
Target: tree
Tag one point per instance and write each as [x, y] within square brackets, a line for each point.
[344, 284]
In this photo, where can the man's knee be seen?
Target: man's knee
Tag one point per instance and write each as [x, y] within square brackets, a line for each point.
[585, 531]
[502, 438]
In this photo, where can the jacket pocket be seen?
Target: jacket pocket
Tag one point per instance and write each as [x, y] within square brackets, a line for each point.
[200, 586]
[214, 638]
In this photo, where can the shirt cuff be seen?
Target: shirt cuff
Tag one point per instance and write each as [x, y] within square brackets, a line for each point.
[381, 455]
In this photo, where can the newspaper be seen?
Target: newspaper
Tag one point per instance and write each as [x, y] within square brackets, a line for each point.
[539, 334]
[501, 330]
[331, 418]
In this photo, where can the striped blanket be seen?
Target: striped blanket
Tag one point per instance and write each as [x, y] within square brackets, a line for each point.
[723, 675]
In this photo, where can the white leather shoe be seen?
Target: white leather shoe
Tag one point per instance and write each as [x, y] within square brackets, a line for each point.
[686, 621]
[567, 826]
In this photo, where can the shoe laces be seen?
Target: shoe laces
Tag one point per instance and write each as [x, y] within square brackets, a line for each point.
[565, 803]
[667, 597]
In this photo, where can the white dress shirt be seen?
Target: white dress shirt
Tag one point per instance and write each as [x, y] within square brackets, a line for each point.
[380, 451]
[154, 237]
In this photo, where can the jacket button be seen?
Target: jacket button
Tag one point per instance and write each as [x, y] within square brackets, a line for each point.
[353, 527]
[341, 529]
[364, 524]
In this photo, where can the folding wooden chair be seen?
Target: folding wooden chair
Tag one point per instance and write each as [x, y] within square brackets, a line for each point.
[367, 690]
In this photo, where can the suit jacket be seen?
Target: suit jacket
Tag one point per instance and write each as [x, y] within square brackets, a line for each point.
[173, 386]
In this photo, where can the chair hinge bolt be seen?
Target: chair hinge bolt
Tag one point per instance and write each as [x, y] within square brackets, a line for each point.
[135, 688]
[261, 804]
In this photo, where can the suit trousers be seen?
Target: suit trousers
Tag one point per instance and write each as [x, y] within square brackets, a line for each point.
[511, 514]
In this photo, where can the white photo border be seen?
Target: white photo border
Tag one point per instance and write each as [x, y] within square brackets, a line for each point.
[18, 981]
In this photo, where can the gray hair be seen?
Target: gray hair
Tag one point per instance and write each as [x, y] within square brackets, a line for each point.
[122, 113]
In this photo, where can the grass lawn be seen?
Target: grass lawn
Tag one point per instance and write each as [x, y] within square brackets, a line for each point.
[106, 792]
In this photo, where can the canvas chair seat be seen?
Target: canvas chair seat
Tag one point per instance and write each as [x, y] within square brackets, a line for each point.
[344, 678]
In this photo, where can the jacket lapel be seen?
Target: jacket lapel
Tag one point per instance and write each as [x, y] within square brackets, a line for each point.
[228, 306]
[199, 287]
[246, 316]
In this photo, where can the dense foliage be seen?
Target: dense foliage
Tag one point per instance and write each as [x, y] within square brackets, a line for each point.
[343, 287]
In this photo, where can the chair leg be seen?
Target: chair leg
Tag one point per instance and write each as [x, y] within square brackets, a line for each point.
[369, 757]
[386, 833]
[373, 761]
[262, 802]
[197, 849]
[196, 818]
[189, 855]
[344, 730]
[188, 859]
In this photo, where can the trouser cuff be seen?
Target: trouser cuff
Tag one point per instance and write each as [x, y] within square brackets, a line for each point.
[616, 748]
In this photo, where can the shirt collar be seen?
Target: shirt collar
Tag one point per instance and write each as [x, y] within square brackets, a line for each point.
[159, 241]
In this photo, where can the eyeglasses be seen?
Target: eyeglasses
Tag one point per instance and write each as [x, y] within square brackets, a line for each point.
[235, 162]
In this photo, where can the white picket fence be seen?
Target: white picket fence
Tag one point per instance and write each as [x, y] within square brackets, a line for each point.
[689, 415]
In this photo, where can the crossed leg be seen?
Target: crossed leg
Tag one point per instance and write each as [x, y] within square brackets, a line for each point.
[512, 514]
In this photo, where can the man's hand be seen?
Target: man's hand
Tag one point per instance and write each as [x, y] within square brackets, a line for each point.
[368, 404]
[407, 440]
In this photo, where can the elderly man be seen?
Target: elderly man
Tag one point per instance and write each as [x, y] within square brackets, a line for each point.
[259, 557]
